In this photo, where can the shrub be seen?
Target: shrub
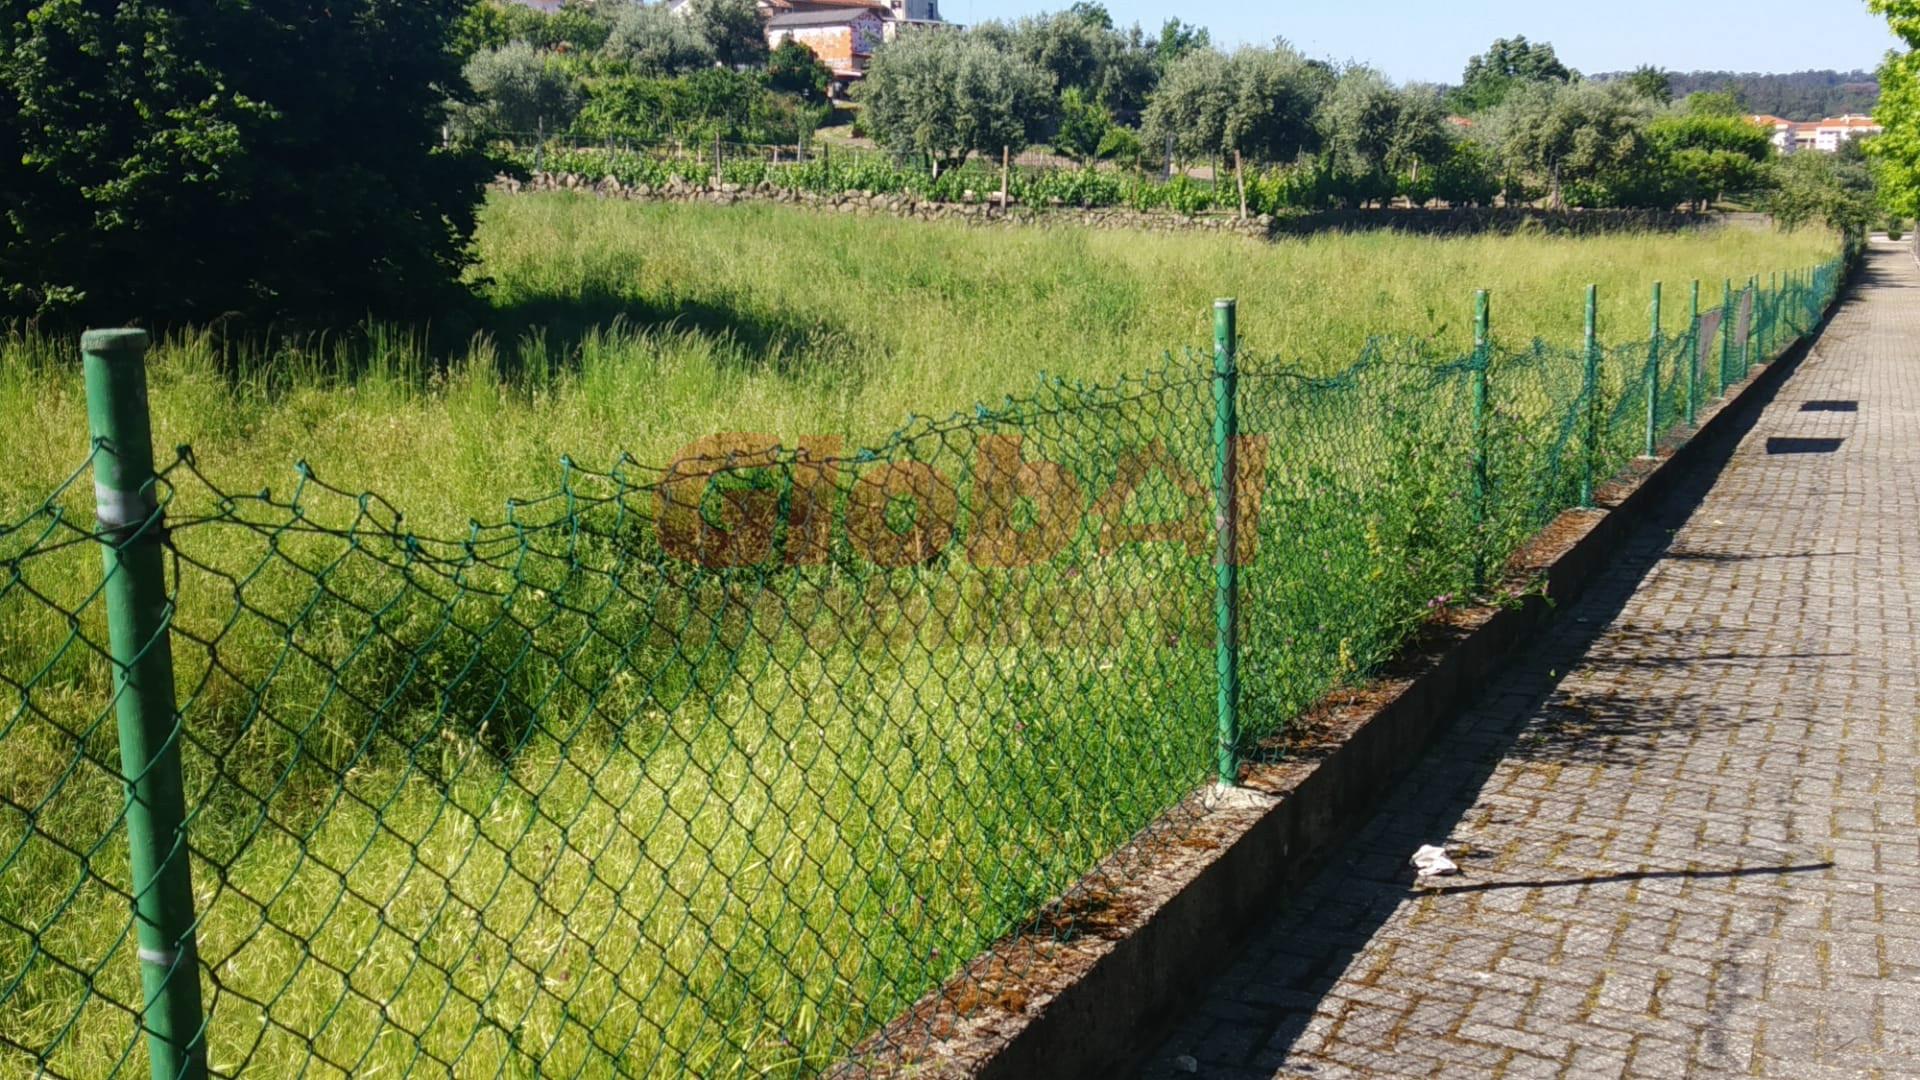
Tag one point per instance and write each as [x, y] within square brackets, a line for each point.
[708, 104]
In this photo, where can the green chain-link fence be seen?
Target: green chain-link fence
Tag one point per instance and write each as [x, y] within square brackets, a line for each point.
[716, 769]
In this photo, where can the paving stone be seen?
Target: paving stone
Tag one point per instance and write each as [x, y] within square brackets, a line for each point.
[1694, 805]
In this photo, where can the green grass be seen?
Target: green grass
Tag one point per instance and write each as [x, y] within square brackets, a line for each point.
[567, 807]
[790, 323]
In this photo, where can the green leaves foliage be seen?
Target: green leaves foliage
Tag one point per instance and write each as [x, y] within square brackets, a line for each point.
[945, 96]
[792, 68]
[1897, 150]
[268, 158]
[1576, 136]
[1508, 64]
[708, 104]
[1260, 102]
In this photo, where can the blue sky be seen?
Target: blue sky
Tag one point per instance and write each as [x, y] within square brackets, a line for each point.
[1430, 40]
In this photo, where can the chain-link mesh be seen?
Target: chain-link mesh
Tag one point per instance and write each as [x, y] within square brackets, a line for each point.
[716, 769]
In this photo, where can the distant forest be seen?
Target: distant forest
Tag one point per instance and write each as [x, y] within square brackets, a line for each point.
[1802, 95]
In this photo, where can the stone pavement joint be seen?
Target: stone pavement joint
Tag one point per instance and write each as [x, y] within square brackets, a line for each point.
[1688, 821]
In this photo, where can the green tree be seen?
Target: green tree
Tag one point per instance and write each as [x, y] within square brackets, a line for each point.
[1092, 14]
[1469, 176]
[651, 40]
[1080, 51]
[492, 24]
[1375, 132]
[519, 90]
[1651, 83]
[1896, 151]
[1260, 102]
[731, 29]
[174, 163]
[1713, 103]
[792, 68]
[1177, 39]
[1710, 157]
[1124, 146]
[1083, 127]
[947, 95]
[1508, 63]
[1565, 136]
[1836, 190]
[736, 106]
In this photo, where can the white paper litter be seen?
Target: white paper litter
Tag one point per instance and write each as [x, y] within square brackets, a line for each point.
[1432, 861]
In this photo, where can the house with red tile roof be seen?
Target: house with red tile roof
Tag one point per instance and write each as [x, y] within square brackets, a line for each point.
[842, 33]
[843, 37]
[1826, 136]
[1830, 134]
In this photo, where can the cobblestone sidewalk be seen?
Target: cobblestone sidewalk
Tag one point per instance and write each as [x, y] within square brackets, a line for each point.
[1689, 822]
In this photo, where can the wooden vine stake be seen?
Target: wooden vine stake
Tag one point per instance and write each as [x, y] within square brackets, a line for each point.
[1240, 180]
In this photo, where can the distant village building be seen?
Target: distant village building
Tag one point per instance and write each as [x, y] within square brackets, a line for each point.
[842, 33]
[1831, 133]
[843, 38]
[1825, 136]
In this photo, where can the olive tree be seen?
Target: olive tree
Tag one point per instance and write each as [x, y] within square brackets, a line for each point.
[947, 95]
[1572, 134]
[651, 40]
[1257, 101]
[519, 89]
[1081, 50]
[1376, 132]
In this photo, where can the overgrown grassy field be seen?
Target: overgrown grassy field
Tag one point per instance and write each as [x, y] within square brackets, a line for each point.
[632, 327]
[547, 802]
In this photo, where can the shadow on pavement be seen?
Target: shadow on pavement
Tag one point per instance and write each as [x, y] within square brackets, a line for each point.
[1299, 956]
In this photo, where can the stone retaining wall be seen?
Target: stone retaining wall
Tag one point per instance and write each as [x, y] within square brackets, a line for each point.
[982, 211]
[986, 210]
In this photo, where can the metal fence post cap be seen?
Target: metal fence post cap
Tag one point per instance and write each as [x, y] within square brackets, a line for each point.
[108, 341]
[1224, 302]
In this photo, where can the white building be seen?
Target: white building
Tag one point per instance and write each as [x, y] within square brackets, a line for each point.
[1825, 136]
[1782, 131]
[1830, 133]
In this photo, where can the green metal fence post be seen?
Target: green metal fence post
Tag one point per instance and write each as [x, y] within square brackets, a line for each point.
[1482, 357]
[1727, 333]
[1226, 592]
[1693, 357]
[1590, 394]
[138, 616]
[1653, 378]
[1752, 304]
[1773, 315]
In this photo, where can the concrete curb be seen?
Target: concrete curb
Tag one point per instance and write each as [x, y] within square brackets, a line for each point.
[1096, 1007]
